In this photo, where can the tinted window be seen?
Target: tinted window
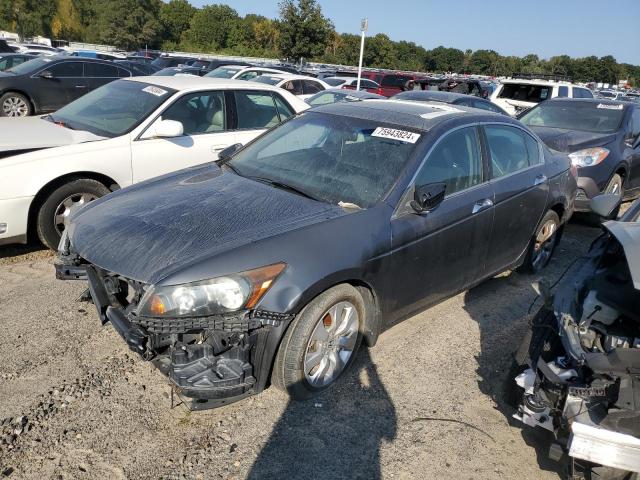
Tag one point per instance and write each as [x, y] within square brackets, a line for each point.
[98, 70]
[256, 110]
[251, 74]
[582, 93]
[4, 64]
[309, 87]
[525, 92]
[201, 112]
[334, 82]
[511, 150]
[18, 60]
[563, 91]
[635, 123]
[293, 86]
[365, 83]
[123, 73]
[455, 161]
[486, 106]
[394, 81]
[66, 69]
[284, 109]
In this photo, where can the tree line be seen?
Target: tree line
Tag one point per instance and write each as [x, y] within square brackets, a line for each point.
[300, 31]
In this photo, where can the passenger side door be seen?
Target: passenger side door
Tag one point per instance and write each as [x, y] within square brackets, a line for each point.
[440, 252]
[66, 84]
[203, 116]
[99, 74]
[521, 189]
[254, 111]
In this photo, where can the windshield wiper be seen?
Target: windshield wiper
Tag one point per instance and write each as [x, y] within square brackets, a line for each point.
[285, 186]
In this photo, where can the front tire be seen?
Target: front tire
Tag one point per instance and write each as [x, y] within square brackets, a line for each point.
[543, 244]
[13, 104]
[321, 343]
[53, 215]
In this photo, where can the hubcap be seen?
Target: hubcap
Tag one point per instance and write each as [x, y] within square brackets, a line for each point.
[544, 244]
[68, 206]
[331, 344]
[15, 107]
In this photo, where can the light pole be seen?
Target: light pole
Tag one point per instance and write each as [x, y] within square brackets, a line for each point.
[363, 27]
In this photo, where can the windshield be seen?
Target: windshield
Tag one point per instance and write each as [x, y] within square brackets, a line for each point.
[113, 109]
[223, 72]
[30, 66]
[526, 92]
[339, 160]
[266, 79]
[586, 117]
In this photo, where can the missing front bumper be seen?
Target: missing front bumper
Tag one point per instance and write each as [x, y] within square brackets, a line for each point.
[605, 447]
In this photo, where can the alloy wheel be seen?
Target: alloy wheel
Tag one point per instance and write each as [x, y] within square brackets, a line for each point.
[331, 344]
[68, 206]
[544, 244]
[15, 107]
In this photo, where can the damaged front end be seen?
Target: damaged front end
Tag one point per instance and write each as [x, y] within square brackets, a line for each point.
[583, 377]
[212, 357]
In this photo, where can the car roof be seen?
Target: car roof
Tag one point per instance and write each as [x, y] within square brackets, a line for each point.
[191, 82]
[416, 115]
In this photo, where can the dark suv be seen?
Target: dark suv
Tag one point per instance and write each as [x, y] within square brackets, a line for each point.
[48, 83]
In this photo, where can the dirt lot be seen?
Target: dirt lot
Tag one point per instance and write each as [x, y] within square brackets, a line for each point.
[426, 402]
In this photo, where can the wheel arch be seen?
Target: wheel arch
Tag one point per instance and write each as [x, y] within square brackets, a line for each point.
[50, 186]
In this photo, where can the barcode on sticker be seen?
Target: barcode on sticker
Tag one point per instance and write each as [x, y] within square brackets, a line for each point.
[609, 106]
[393, 134]
[158, 92]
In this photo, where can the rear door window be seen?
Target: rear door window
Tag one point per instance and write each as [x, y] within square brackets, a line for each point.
[199, 113]
[256, 110]
[309, 87]
[98, 70]
[563, 91]
[511, 150]
[293, 86]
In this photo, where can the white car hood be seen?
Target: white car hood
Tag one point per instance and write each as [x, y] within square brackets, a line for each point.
[30, 133]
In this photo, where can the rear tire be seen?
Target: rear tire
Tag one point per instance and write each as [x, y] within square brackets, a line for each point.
[13, 104]
[542, 244]
[54, 213]
[320, 344]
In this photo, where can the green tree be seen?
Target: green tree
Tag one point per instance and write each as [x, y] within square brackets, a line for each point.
[213, 27]
[175, 18]
[380, 52]
[66, 21]
[485, 62]
[128, 24]
[443, 59]
[304, 30]
[28, 17]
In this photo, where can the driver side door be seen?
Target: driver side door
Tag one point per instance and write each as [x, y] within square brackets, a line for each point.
[66, 84]
[203, 116]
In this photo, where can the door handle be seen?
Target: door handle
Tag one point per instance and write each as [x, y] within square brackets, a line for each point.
[81, 86]
[481, 205]
[218, 148]
[539, 180]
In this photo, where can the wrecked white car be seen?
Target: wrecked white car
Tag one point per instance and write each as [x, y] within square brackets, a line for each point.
[583, 376]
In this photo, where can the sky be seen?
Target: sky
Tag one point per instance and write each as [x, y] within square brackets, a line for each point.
[577, 28]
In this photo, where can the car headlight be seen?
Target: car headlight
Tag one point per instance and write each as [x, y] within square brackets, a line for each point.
[588, 157]
[210, 297]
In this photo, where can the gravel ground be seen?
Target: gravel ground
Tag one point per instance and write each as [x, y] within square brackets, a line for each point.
[426, 402]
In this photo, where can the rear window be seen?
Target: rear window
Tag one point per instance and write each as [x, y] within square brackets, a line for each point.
[526, 92]
[334, 82]
[394, 81]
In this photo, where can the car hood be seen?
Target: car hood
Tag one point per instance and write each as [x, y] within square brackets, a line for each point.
[150, 230]
[568, 141]
[32, 133]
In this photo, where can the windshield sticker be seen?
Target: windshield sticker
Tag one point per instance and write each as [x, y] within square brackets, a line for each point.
[158, 92]
[402, 135]
[609, 107]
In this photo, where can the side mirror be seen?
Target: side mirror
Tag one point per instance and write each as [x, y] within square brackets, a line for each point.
[605, 204]
[427, 197]
[228, 152]
[46, 74]
[164, 129]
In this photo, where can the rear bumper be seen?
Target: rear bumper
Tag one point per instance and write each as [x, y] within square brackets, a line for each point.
[605, 447]
[14, 218]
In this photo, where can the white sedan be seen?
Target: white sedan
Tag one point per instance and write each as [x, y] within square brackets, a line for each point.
[122, 133]
[299, 85]
[241, 72]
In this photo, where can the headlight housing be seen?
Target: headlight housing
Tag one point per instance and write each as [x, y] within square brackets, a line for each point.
[210, 297]
[588, 157]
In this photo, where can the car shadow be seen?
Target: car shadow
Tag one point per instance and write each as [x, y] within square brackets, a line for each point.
[10, 251]
[502, 307]
[337, 434]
